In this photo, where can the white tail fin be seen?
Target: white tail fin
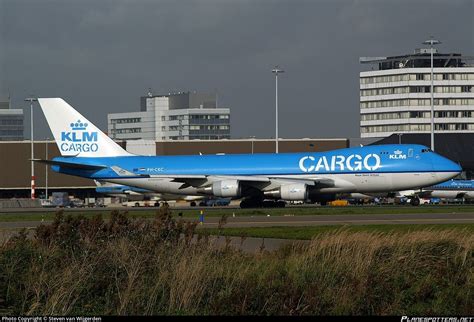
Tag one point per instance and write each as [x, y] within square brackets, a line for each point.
[74, 134]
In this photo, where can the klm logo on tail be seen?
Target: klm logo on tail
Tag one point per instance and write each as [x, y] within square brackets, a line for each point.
[79, 139]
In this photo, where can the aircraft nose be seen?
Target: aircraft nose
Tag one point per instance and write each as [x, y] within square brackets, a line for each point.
[445, 168]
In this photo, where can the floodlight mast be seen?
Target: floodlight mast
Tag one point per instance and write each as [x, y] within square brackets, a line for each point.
[276, 71]
[432, 42]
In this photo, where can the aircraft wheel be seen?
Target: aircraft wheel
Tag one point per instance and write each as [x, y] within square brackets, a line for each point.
[269, 204]
[137, 204]
[252, 203]
[193, 204]
[280, 204]
[415, 201]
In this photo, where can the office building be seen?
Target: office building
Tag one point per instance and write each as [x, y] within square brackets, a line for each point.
[11, 121]
[395, 96]
[176, 116]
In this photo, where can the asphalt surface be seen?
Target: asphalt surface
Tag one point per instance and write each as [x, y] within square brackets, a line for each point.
[310, 220]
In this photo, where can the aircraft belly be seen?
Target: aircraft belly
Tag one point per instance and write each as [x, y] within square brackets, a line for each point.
[407, 181]
[469, 195]
[367, 182]
[157, 185]
[444, 194]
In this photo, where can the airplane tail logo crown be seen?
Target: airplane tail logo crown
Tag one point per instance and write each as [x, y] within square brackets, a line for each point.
[74, 134]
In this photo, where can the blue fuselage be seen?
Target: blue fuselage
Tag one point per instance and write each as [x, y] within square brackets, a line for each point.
[364, 160]
[362, 169]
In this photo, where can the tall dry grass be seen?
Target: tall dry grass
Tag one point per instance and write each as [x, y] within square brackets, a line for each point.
[127, 267]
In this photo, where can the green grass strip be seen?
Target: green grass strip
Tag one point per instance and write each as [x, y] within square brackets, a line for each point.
[307, 233]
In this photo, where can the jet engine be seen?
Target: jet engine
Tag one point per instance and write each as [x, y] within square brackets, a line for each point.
[227, 188]
[296, 191]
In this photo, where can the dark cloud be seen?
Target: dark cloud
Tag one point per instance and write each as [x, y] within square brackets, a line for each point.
[102, 55]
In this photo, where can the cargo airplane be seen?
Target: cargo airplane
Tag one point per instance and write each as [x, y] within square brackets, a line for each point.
[316, 177]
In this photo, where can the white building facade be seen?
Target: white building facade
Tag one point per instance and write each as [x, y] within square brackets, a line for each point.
[11, 122]
[396, 98]
[181, 116]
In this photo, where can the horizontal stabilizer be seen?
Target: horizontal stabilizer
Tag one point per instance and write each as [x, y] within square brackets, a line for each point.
[71, 165]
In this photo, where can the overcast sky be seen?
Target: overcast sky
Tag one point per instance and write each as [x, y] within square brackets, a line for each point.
[101, 56]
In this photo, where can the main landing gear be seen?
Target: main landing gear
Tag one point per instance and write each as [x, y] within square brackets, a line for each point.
[260, 203]
[415, 201]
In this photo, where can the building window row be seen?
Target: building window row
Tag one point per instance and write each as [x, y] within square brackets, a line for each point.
[196, 117]
[453, 114]
[415, 114]
[208, 116]
[209, 137]
[175, 117]
[124, 131]
[454, 126]
[384, 91]
[209, 127]
[126, 120]
[414, 77]
[417, 102]
[11, 122]
[416, 127]
[195, 127]
[416, 89]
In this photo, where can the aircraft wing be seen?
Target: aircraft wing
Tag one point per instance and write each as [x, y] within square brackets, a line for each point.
[259, 182]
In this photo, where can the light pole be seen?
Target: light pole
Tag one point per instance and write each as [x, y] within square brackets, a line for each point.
[31, 100]
[399, 138]
[432, 42]
[276, 71]
[252, 137]
[46, 168]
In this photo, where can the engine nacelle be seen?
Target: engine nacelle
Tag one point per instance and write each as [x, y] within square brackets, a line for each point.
[295, 191]
[227, 188]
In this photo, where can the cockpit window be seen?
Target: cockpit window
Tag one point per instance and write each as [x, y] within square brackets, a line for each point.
[426, 150]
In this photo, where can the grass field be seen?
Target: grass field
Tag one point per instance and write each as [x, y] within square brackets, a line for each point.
[306, 233]
[219, 212]
[123, 266]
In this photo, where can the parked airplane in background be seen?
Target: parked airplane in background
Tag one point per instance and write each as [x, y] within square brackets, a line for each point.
[87, 152]
[138, 194]
[452, 189]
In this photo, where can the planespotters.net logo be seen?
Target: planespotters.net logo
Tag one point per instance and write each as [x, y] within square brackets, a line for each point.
[78, 139]
[437, 319]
